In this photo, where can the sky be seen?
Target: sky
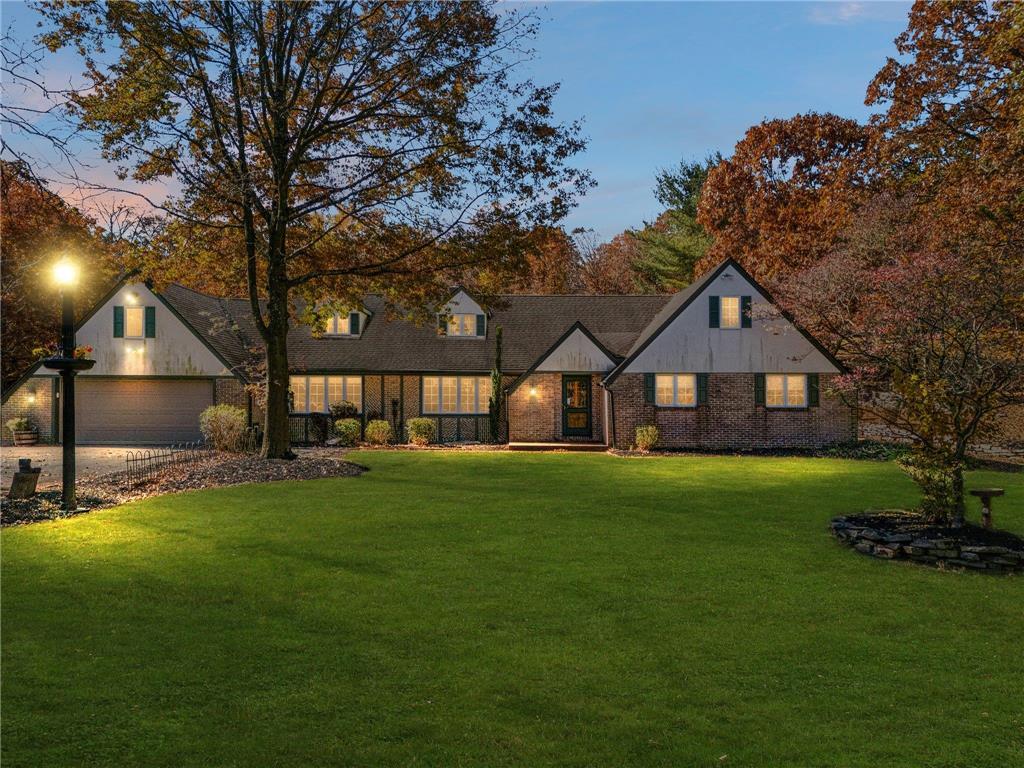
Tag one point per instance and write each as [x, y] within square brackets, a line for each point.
[655, 83]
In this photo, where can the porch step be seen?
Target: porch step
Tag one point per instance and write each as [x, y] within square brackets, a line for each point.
[565, 446]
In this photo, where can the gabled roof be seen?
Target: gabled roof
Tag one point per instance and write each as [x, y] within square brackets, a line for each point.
[577, 326]
[680, 301]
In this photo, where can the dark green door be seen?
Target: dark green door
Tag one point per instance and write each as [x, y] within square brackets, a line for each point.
[576, 406]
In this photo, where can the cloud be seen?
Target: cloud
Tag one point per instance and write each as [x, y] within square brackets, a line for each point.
[852, 12]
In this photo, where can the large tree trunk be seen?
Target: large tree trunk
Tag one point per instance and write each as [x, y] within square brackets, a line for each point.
[276, 442]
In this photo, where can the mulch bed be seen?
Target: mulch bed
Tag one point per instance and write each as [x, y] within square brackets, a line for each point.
[214, 471]
[971, 534]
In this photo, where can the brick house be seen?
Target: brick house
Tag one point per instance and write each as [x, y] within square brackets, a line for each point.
[716, 366]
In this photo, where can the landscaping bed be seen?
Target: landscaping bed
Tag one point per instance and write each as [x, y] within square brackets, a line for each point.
[901, 535]
[216, 470]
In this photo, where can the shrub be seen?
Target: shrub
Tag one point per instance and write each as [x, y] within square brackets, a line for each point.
[421, 431]
[347, 431]
[646, 437]
[378, 432]
[343, 409]
[223, 426]
[19, 424]
[940, 480]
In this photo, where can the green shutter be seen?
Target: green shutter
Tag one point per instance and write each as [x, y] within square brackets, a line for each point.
[118, 322]
[758, 389]
[649, 388]
[442, 325]
[353, 323]
[481, 325]
[714, 312]
[702, 388]
[746, 320]
[813, 398]
[150, 322]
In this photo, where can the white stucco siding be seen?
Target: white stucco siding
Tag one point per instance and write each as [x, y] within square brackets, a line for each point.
[577, 354]
[175, 351]
[772, 345]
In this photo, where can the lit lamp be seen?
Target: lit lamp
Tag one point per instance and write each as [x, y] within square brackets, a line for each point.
[65, 275]
[533, 391]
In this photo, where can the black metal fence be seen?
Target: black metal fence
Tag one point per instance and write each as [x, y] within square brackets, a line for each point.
[142, 465]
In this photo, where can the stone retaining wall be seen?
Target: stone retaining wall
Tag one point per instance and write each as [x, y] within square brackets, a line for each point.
[940, 553]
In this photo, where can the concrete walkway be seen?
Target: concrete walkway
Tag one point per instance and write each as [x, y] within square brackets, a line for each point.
[91, 460]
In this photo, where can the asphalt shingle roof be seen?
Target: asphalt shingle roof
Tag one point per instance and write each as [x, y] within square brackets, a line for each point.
[530, 324]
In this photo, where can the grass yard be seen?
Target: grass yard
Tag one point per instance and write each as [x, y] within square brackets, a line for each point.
[506, 609]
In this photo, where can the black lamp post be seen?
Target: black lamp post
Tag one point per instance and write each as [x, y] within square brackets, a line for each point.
[66, 274]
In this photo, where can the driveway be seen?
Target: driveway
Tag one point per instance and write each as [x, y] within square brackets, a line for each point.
[91, 460]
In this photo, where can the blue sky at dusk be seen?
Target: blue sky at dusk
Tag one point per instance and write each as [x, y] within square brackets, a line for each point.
[657, 82]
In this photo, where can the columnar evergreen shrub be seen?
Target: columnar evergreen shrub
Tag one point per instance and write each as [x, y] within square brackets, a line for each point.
[378, 432]
[347, 431]
[646, 437]
[223, 426]
[422, 431]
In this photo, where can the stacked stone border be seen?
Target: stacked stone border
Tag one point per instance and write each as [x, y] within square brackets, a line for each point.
[936, 552]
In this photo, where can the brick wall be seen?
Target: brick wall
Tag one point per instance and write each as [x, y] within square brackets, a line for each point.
[729, 419]
[33, 399]
[538, 418]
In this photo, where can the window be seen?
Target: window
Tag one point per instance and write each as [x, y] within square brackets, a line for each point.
[730, 312]
[343, 324]
[456, 394]
[462, 325]
[134, 322]
[315, 394]
[348, 388]
[785, 390]
[676, 389]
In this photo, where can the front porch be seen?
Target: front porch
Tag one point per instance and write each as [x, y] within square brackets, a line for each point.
[552, 411]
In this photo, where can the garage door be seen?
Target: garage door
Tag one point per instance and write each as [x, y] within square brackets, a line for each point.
[125, 411]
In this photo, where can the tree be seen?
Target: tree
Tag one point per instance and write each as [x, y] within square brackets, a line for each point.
[671, 247]
[609, 268]
[781, 201]
[545, 260]
[923, 293]
[349, 145]
[37, 227]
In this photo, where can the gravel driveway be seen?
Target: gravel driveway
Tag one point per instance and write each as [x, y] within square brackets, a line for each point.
[91, 460]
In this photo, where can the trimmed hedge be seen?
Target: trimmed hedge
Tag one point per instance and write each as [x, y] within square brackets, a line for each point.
[378, 432]
[347, 431]
[422, 431]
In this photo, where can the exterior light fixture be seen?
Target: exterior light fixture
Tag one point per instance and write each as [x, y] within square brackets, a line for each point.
[533, 391]
[31, 396]
[65, 273]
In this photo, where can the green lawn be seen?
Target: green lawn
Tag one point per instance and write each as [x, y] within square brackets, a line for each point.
[507, 609]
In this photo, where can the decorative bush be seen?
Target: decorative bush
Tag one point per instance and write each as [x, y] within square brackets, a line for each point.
[343, 409]
[378, 432]
[19, 424]
[646, 437]
[223, 426]
[347, 431]
[421, 431]
[940, 480]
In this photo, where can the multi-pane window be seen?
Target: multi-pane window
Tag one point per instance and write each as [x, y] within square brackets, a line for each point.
[785, 390]
[676, 389]
[316, 394]
[456, 394]
[134, 322]
[730, 312]
[338, 324]
[462, 325]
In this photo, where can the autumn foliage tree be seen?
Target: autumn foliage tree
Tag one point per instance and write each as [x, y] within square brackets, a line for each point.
[347, 145]
[781, 201]
[38, 226]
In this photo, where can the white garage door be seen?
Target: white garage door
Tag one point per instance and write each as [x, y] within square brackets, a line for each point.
[126, 411]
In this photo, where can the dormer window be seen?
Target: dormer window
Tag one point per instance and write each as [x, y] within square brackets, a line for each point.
[343, 324]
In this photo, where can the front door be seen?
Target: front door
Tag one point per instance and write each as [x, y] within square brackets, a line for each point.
[576, 406]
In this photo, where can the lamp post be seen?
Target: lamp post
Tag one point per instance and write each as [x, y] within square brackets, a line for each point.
[65, 274]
